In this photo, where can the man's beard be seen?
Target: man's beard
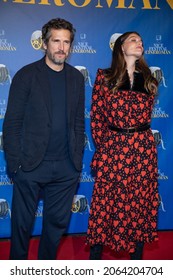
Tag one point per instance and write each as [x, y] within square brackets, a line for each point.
[55, 60]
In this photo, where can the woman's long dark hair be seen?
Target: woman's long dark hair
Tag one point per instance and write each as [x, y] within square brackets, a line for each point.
[117, 72]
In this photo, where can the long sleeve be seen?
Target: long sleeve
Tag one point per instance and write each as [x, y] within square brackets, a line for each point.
[98, 122]
[12, 127]
[80, 121]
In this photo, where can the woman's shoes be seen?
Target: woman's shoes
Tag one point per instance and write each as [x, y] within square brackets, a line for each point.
[96, 252]
[137, 255]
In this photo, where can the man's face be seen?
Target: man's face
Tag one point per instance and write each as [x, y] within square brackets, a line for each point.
[57, 48]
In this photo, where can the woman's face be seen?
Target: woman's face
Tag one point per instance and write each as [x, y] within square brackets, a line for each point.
[133, 46]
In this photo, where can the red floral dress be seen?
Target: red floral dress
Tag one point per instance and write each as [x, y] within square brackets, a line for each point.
[124, 203]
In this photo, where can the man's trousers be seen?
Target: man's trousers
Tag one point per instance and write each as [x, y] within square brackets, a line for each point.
[57, 181]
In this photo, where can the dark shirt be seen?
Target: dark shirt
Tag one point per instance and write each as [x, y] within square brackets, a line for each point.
[57, 147]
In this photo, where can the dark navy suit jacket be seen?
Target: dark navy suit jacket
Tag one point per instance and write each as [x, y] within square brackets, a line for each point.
[27, 122]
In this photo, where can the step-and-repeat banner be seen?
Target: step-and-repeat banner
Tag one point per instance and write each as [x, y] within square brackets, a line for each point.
[98, 23]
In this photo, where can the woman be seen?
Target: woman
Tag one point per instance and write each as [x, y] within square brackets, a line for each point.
[125, 200]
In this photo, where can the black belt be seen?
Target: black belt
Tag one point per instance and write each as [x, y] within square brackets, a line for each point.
[130, 129]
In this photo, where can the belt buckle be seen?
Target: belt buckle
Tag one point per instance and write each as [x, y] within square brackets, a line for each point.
[131, 130]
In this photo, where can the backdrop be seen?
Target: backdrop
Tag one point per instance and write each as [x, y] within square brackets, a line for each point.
[98, 23]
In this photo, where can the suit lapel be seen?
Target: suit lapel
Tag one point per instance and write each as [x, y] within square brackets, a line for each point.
[44, 84]
[70, 88]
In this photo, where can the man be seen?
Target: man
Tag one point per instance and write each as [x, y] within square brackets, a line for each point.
[43, 141]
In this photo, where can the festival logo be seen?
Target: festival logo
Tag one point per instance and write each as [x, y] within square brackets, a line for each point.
[87, 143]
[2, 109]
[161, 204]
[83, 46]
[85, 73]
[1, 142]
[5, 210]
[80, 204]
[113, 38]
[4, 75]
[86, 178]
[158, 138]
[158, 47]
[5, 80]
[39, 211]
[158, 74]
[162, 176]
[158, 112]
[87, 114]
[4, 179]
[4, 44]
[36, 40]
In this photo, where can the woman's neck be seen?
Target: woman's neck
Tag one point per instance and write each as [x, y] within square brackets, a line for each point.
[130, 68]
[130, 71]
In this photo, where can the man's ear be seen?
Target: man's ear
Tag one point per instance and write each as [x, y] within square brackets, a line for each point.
[44, 46]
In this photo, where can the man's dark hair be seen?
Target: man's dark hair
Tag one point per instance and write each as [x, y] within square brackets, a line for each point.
[57, 23]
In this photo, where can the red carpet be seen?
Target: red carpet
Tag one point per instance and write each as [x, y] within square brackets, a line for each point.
[73, 247]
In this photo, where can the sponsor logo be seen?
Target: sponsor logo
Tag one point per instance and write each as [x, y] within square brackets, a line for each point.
[36, 40]
[158, 74]
[5, 211]
[158, 47]
[83, 46]
[80, 204]
[113, 38]
[4, 75]
[85, 73]
[158, 138]
[5, 45]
